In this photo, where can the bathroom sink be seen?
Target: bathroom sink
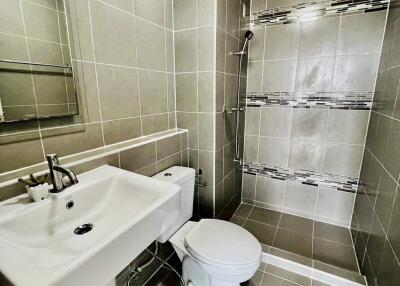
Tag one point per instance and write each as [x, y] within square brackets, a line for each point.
[86, 234]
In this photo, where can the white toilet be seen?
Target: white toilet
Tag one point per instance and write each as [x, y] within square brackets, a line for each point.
[213, 252]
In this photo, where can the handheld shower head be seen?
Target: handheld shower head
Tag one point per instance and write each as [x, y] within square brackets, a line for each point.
[247, 37]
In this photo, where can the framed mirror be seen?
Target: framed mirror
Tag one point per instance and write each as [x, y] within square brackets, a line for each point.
[36, 73]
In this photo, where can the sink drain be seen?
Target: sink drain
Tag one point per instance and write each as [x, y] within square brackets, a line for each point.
[84, 228]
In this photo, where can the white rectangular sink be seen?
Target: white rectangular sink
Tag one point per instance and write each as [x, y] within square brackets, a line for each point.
[38, 245]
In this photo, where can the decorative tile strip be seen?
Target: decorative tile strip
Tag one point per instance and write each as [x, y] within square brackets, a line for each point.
[327, 100]
[341, 183]
[315, 9]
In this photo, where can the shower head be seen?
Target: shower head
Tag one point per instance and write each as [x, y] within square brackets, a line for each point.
[248, 35]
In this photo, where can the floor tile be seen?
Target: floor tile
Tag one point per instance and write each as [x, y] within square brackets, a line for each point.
[294, 242]
[333, 233]
[350, 275]
[238, 220]
[243, 210]
[271, 280]
[335, 254]
[295, 223]
[291, 256]
[265, 216]
[263, 232]
[291, 276]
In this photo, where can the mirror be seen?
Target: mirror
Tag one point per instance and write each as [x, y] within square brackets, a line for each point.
[36, 74]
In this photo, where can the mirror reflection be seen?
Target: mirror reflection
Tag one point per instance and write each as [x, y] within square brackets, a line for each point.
[36, 75]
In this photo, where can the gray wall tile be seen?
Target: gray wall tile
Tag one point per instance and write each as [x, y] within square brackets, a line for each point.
[279, 75]
[342, 159]
[121, 83]
[281, 42]
[300, 198]
[361, 33]
[105, 21]
[318, 38]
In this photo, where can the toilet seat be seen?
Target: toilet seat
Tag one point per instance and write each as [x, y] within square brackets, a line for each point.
[223, 244]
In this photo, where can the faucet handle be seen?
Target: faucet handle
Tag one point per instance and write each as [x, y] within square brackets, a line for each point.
[52, 158]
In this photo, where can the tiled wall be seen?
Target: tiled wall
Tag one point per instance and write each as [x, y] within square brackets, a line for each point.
[205, 85]
[232, 23]
[123, 57]
[24, 38]
[330, 55]
[376, 218]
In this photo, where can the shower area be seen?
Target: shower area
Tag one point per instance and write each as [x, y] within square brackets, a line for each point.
[316, 89]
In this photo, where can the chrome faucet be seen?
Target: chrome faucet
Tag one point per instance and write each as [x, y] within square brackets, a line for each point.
[56, 174]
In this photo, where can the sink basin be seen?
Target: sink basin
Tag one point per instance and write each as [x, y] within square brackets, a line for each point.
[86, 234]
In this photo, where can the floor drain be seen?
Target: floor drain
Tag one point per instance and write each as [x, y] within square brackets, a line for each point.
[84, 228]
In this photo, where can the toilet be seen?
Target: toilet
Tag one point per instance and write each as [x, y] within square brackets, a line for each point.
[213, 252]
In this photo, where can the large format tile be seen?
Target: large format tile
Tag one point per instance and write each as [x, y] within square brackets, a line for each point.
[11, 22]
[334, 206]
[294, 242]
[361, 33]
[265, 216]
[105, 21]
[150, 41]
[263, 232]
[290, 276]
[281, 42]
[300, 198]
[297, 224]
[270, 191]
[333, 233]
[270, 279]
[336, 254]
[121, 83]
[319, 38]
[41, 23]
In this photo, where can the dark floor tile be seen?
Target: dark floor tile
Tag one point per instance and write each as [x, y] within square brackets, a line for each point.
[243, 210]
[255, 280]
[291, 256]
[171, 280]
[350, 275]
[263, 232]
[333, 233]
[265, 216]
[291, 276]
[238, 220]
[297, 224]
[294, 242]
[158, 278]
[271, 280]
[335, 254]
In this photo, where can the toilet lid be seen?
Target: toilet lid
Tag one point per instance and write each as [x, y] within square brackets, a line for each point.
[215, 241]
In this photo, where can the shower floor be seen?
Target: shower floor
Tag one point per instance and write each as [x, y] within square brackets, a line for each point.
[312, 243]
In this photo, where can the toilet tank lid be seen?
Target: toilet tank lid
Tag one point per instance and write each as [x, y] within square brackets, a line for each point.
[176, 175]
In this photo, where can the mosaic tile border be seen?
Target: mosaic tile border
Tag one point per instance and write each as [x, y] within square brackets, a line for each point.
[341, 183]
[315, 9]
[327, 100]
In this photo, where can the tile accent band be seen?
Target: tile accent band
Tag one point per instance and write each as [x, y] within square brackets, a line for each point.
[315, 9]
[327, 100]
[341, 183]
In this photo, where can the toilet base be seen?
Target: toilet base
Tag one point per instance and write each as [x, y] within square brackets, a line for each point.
[194, 275]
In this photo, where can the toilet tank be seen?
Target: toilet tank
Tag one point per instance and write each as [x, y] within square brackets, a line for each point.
[185, 178]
